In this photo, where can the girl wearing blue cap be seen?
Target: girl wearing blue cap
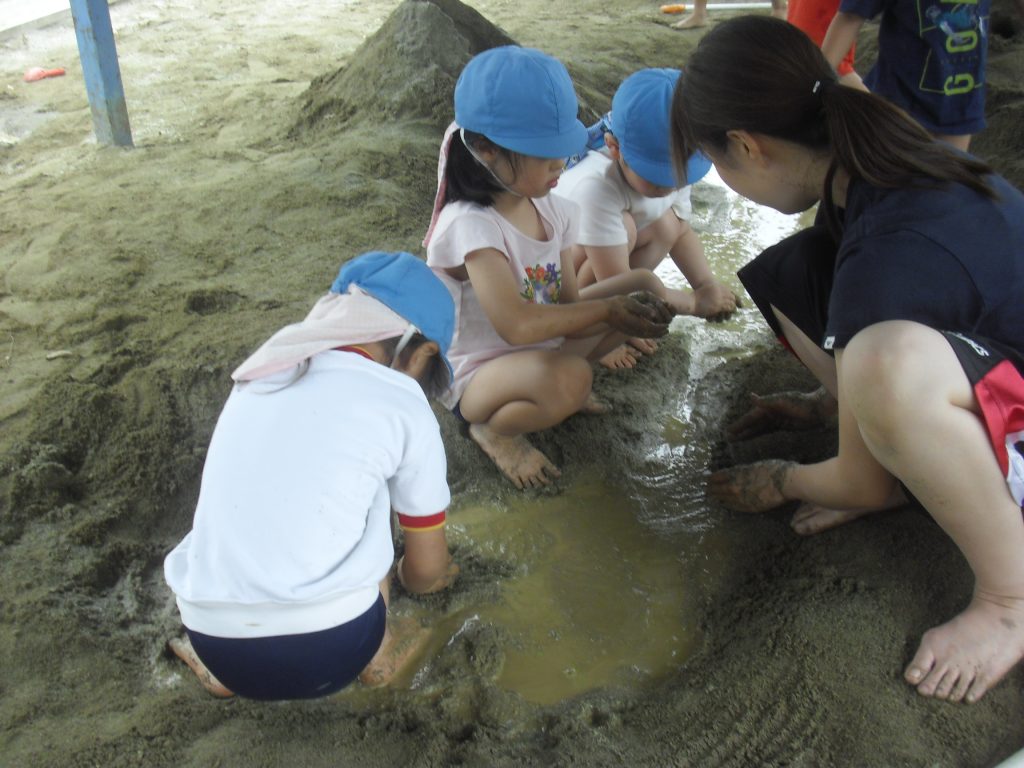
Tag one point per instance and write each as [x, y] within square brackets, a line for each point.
[502, 246]
[634, 211]
[906, 305]
[282, 583]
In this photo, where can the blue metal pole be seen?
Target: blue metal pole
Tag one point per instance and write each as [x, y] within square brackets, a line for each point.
[101, 71]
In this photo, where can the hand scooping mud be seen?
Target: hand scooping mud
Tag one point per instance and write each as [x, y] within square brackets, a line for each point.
[640, 314]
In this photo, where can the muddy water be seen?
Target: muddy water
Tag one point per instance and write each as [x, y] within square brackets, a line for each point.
[608, 579]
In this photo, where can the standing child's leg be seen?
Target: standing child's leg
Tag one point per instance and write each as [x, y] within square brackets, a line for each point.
[699, 17]
[919, 417]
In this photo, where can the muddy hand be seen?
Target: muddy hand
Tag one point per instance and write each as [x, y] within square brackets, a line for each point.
[783, 410]
[751, 487]
[640, 314]
[715, 302]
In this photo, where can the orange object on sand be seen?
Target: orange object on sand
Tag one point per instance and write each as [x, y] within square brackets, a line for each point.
[673, 8]
[38, 73]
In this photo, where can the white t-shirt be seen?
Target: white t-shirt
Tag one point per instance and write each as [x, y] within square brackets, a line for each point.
[292, 531]
[537, 266]
[597, 186]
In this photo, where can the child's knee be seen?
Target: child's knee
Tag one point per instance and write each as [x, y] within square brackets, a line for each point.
[571, 381]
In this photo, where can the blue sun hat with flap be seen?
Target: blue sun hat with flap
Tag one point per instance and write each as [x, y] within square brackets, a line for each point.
[640, 117]
[409, 288]
[521, 99]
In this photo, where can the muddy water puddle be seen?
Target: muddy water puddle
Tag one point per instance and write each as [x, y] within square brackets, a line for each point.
[609, 580]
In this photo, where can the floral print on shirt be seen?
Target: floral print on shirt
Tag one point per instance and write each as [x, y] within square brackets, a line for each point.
[542, 284]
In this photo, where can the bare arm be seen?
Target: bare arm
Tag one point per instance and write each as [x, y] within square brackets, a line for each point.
[712, 299]
[842, 34]
[852, 479]
[426, 565]
[523, 322]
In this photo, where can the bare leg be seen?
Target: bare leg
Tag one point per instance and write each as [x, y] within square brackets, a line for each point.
[918, 416]
[182, 648]
[699, 18]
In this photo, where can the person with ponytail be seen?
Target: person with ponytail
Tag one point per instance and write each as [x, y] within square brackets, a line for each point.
[904, 300]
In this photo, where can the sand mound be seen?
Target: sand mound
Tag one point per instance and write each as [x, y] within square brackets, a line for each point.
[406, 70]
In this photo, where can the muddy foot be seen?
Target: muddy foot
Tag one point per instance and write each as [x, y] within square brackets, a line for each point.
[519, 461]
[963, 658]
[403, 638]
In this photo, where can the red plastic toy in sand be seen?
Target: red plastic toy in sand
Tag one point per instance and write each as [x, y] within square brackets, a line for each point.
[38, 73]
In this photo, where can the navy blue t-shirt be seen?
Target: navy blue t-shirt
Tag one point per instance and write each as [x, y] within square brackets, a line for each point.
[931, 60]
[949, 258]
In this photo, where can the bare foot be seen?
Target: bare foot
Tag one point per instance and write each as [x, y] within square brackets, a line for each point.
[182, 648]
[784, 410]
[623, 356]
[644, 346]
[694, 20]
[595, 406]
[519, 461]
[751, 487]
[402, 639]
[812, 518]
[963, 658]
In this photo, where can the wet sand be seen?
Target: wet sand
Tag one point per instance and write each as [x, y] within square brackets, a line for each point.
[273, 141]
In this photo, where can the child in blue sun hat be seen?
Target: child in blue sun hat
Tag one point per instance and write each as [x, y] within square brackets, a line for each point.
[502, 245]
[634, 210]
[283, 581]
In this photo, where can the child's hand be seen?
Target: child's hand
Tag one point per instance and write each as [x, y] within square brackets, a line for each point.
[714, 301]
[640, 314]
[442, 582]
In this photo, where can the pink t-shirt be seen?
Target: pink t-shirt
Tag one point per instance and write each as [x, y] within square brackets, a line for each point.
[536, 265]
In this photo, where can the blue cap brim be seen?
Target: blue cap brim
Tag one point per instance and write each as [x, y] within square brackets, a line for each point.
[567, 144]
[664, 174]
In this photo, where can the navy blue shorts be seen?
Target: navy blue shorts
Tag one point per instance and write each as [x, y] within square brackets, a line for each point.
[794, 276]
[305, 666]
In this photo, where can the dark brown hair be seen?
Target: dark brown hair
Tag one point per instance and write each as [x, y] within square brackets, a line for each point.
[764, 75]
[435, 380]
[468, 179]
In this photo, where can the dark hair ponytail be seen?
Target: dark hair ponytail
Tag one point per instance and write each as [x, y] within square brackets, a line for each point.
[764, 75]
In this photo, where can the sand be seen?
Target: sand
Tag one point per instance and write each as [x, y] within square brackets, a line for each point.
[273, 141]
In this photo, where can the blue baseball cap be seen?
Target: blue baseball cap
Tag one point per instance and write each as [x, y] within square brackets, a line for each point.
[406, 286]
[641, 111]
[522, 100]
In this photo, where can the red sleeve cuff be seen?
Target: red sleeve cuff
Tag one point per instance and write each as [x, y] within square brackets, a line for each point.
[428, 523]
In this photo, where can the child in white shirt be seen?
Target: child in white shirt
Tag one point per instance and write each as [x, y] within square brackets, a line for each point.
[634, 212]
[282, 583]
